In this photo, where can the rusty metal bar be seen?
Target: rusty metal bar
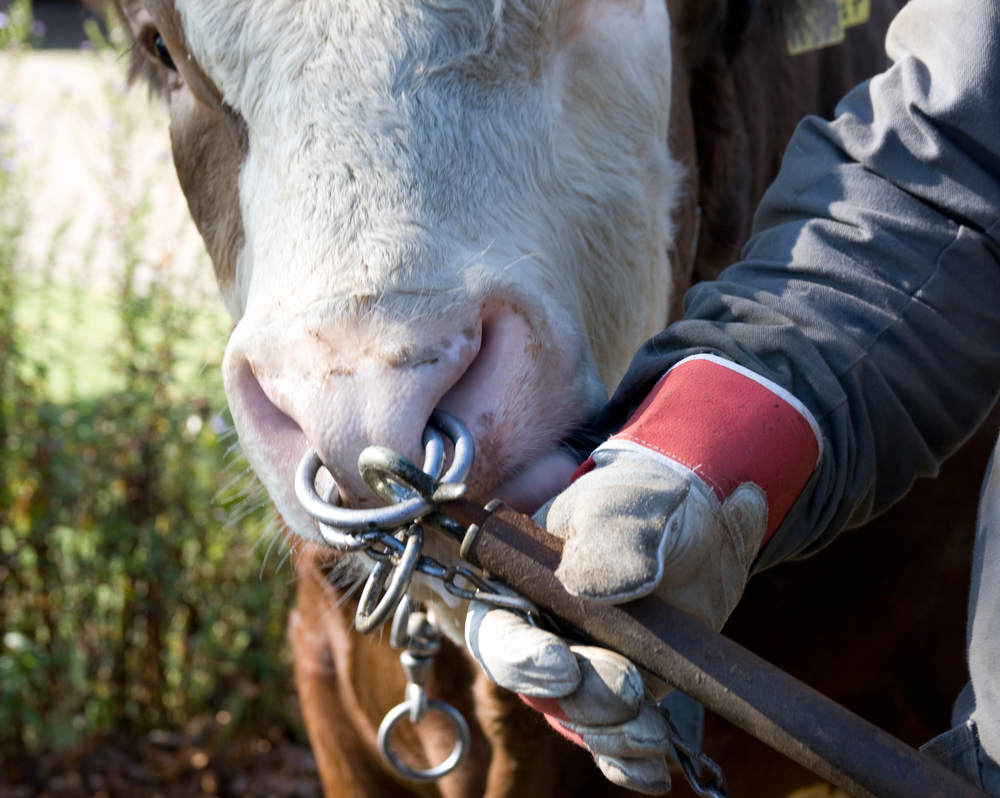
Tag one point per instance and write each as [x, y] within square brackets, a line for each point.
[736, 684]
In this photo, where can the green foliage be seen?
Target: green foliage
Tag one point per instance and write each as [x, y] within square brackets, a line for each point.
[130, 601]
[16, 31]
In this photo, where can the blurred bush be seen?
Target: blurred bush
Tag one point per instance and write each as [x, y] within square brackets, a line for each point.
[133, 596]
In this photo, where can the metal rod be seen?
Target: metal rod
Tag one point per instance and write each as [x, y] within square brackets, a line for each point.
[736, 684]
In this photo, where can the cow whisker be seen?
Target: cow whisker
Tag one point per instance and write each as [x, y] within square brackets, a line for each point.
[222, 492]
[274, 539]
[248, 510]
[267, 527]
[347, 594]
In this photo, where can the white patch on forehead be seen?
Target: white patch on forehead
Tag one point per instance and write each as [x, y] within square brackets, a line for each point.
[262, 54]
[385, 133]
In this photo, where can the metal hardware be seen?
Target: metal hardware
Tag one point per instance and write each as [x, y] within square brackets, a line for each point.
[398, 635]
[423, 640]
[409, 504]
[431, 774]
[374, 611]
[412, 494]
[691, 759]
[393, 537]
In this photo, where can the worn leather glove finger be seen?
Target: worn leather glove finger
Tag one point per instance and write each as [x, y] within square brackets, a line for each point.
[519, 656]
[610, 690]
[644, 736]
[581, 685]
[649, 776]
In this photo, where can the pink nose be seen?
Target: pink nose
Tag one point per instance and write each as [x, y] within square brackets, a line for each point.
[342, 388]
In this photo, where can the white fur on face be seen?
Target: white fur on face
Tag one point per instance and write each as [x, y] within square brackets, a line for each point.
[415, 161]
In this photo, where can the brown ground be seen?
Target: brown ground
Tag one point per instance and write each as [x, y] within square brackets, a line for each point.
[192, 764]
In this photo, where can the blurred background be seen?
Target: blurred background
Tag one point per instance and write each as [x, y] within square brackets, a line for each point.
[144, 586]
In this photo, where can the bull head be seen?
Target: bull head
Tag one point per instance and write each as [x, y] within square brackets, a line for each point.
[463, 204]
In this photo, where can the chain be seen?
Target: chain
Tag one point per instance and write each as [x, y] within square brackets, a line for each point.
[392, 537]
[692, 759]
[416, 631]
[397, 555]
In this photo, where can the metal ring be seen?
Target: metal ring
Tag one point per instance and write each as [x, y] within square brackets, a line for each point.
[339, 540]
[393, 477]
[374, 611]
[461, 438]
[433, 452]
[398, 637]
[342, 519]
[431, 774]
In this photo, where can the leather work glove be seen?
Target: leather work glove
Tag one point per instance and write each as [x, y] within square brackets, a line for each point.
[678, 503]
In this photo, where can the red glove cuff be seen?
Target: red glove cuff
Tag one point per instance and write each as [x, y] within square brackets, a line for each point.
[728, 425]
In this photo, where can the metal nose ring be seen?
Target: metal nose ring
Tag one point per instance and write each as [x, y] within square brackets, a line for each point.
[410, 504]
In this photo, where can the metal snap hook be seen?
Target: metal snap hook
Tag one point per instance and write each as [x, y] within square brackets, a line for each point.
[462, 742]
[374, 610]
[398, 637]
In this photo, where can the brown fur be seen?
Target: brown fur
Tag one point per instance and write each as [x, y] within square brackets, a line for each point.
[207, 161]
[211, 142]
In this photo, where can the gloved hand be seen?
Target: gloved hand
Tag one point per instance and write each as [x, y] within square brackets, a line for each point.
[679, 502]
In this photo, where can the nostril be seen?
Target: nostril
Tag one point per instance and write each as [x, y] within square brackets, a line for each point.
[505, 341]
[475, 371]
[256, 407]
[270, 437]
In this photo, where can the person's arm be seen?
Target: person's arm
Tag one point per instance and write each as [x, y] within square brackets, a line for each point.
[871, 287]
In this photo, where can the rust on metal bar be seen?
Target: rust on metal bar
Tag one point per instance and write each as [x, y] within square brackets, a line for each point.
[736, 684]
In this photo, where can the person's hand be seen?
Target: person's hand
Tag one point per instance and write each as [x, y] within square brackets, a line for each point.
[677, 503]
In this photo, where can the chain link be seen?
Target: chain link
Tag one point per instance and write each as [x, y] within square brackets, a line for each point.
[388, 551]
[691, 759]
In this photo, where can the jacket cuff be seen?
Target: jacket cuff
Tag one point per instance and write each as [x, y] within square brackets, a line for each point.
[728, 425]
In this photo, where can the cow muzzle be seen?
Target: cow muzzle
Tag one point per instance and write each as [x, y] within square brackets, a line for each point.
[339, 386]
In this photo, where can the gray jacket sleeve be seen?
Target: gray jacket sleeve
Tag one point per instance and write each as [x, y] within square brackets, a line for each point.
[871, 286]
